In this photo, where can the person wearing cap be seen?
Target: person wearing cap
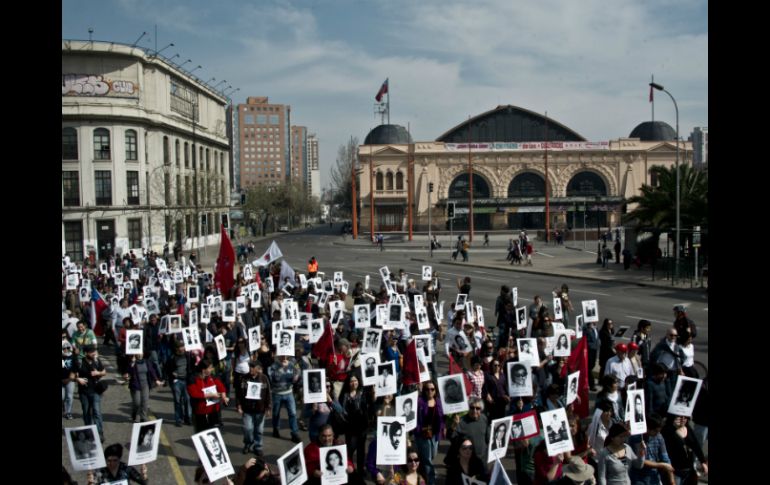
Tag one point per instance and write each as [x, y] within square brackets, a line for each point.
[88, 372]
[576, 471]
[117, 470]
[253, 411]
[619, 365]
[636, 362]
[179, 369]
[682, 322]
[617, 457]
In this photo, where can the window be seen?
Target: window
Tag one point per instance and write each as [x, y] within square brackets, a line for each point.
[187, 190]
[207, 159]
[131, 152]
[186, 155]
[70, 188]
[101, 144]
[69, 144]
[167, 188]
[187, 225]
[132, 188]
[134, 233]
[248, 119]
[399, 181]
[176, 152]
[261, 119]
[199, 165]
[73, 240]
[389, 181]
[166, 151]
[103, 187]
[178, 189]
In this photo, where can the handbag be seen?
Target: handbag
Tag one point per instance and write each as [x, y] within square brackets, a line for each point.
[101, 386]
[426, 433]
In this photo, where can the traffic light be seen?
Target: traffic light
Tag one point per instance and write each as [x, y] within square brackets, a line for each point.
[450, 210]
[224, 220]
[243, 198]
[430, 186]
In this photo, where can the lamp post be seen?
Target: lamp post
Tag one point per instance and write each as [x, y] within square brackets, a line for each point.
[598, 235]
[676, 108]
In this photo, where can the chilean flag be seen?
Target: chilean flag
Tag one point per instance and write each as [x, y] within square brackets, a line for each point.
[383, 90]
[578, 360]
[223, 275]
[98, 304]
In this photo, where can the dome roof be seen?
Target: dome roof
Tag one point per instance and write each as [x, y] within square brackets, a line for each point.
[654, 131]
[386, 134]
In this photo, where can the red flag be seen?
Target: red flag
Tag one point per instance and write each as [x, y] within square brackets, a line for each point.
[454, 368]
[325, 345]
[410, 372]
[650, 94]
[383, 90]
[223, 274]
[578, 360]
[97, 307]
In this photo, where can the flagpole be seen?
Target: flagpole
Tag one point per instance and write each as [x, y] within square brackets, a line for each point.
[652, 98]
[409, 181]
[547, 200]
[470, 186]
[387, 80]
[371, 195]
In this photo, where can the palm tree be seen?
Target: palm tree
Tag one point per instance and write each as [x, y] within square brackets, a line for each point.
[656, 209]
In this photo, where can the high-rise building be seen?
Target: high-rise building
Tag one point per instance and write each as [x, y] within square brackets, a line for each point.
[313, 172]
[299, 155]
[700, 146]
[263, 138]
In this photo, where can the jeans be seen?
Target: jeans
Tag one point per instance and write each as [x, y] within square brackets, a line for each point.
[427, 449]
[291, 408]
[92, 410]
[253, 426]
[140, 403]
[182, 408]
[701, 433]
[67, 393]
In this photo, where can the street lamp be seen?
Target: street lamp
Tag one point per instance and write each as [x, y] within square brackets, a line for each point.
[158, 52]
[185, 62]
[676, 254]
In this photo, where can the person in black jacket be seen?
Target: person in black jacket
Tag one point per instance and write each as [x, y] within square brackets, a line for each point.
[88, 372]
[606, 344]
[253, 411]
[179, 371]
[683, 448]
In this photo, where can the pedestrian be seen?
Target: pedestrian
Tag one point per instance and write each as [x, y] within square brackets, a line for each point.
[117, 471]
[530, 250]
[253, 411]
[89, 371]
[617, 251]
[206, 392]
[283, 375]
[606, 344]
[142, 376]
[179, 368]
[627, 257]
[606, 255]
[486, 239]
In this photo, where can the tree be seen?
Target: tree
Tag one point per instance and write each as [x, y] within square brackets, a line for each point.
[341, 175]
[289, 200]
[656, 209]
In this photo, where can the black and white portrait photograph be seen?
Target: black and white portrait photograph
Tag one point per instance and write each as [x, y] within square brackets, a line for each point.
[684, 396]
[323, 297]
[427, 273]
[557, 313]
[396, 314]
[134, 274]
[386, 379]
[144, 442]
[254, 390]
[213, 454]
[314, 385]
[562, 346]
[85, 449]
[292, 466]
[424, 344]
[85, 294]
[369, 363]
[453, 394]
[460, 301]
[406, 407]
[118, 278]
[270, 285]
[579, 327]
[205, 313]
[572, 386]
[255, 338]
[248, 272]
[192, 294]
[240, 304]
[192, 318]
[289, 313]
[519, 379]
[524, 425]
[361, 315]
[423, 323]
[151, 304]
[161, 265]
[316, 329]
[192, 339]
[391, 440]
[286, 343]
[338, 278]
[499, 436]
[458, 341]
[277, 326]
[635, 415]
[216, 305]
[219, 341]
[134, 342]
[228, 311]
[334, 461]
[528, 351]
[521, 318]
[256, 299]
[336, 318]
[72, 281]
[381, 316]
[385, 273]
[590, 311]
[557, 435]
[480, 315]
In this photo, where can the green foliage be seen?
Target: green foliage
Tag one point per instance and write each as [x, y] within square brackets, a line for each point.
[289, 199]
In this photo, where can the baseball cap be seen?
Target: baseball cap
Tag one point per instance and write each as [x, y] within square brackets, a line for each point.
[633, 346]
[621, 348]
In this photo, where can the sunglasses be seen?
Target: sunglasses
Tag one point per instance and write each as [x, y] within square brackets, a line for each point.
[477, 408]
[413, 460]
[466, 447]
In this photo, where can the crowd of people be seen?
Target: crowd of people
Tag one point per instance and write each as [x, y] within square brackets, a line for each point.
[204, 380]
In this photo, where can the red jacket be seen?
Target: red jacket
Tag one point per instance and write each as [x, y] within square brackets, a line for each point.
[196, 394]
[313, 461]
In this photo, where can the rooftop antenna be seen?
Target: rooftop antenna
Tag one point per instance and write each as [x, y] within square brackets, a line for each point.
[195, 68]
[212, 79]
[158, 52]
[172, 57]
[90, 34]
[220, 82]
[135, 42]
[185, 62]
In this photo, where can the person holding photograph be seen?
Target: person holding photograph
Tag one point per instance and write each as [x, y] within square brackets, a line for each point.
[213, 448]
[683, 448]
[142, 376]
[283, 375]
[253, 411]
[206, 416]
[430, 428]
[473, 425]
[89, 372]
[657, 465]
[116, 469]
[356, 407]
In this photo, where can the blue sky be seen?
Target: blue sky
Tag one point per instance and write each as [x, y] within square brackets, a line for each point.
[587, 63]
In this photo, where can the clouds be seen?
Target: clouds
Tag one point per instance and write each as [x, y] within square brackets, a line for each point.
[587, 63]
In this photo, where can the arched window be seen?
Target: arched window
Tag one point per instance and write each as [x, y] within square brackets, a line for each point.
[459, 187]
[527, 184]
[186, 155]
[101, 144]
[389, 181]
[399, 181]
[69, 143]
[379, 181]
[176, 152]
[131, 151]
[586, 184]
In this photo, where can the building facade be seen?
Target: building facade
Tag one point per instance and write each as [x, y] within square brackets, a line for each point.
[512, 151]
[299, 155]
[700, 147]
[144, 153]
[313, 172]
[263, 133]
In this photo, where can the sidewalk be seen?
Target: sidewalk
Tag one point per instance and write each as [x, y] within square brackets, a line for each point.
[566, 261]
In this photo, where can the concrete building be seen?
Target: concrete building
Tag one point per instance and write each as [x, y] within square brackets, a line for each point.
[299, 167]
[263, 137]
[144, 152]
[700, 147]
[314, 172]
[506, 147]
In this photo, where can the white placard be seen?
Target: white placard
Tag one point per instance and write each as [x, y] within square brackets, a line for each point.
[515, 296]
[521, 318]
[144, 442]
[192, 339]
[684, 396]
[134, 342]
[213, 454]
[423, 322]
[519, 379]
[219, 340]
[369, 363]
[386, 379]
[85, 449]
[562, 346]
[557, 314]
[528, 351]
[286, 343]
[391, 440]
[453, 395]
[557, 435]
[635, 413]
[334, 461]
[228, 311]
[205, 313]
[254, 391]
[424, 344]
[573, 381]
[406, 407]
[240, 304]
[314, 385]
[361, 315]
[427, 273]
[590, 311]
[292, 466]
[499, 435]
[255, 338]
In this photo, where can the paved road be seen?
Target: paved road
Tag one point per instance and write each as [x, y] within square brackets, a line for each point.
[623, 300]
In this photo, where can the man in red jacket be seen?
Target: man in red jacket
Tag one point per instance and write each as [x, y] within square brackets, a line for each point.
[205, 394]
[313, 455]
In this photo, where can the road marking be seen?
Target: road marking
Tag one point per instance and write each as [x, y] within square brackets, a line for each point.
[591, 292]
[544, 254]
[650, 319]
[172, 461]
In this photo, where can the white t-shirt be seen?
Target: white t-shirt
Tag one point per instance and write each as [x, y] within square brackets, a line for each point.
[689, 355]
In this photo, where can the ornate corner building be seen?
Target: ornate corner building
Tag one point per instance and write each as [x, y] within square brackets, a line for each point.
[508, 153]
[145, 152]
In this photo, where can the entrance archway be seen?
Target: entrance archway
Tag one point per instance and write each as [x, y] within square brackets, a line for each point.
[527, 184]
[458, 192]
[590, 186]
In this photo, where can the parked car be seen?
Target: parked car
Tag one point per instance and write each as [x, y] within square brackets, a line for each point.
[283, 229]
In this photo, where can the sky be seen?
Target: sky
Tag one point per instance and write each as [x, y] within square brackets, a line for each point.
[586, 63]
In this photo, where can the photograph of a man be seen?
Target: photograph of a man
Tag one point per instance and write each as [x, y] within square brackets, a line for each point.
[407, 410]
[214, 450]
[517, 429]
[557, 430]
[362, 316]
[370, 367]
[519, 382]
